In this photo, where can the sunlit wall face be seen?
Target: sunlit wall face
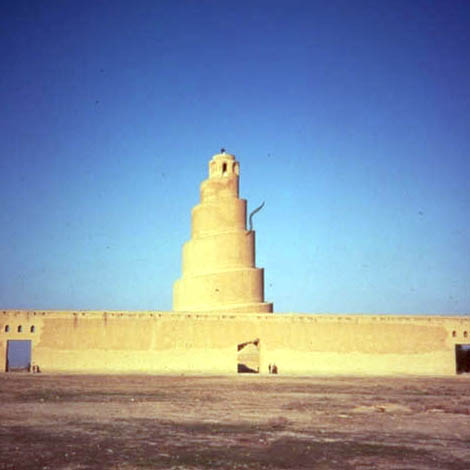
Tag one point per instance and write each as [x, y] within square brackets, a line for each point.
[351, 120]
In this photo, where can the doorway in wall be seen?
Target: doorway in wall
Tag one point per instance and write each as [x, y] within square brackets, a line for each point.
[18, 356]
[248, 357]
[462, 358]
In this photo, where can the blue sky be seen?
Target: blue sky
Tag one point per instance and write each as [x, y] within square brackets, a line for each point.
[351, 119]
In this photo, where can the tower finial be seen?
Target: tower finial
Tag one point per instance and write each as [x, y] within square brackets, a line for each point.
[222, 150]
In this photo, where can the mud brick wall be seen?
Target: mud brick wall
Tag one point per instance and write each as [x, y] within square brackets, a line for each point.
[168, 342]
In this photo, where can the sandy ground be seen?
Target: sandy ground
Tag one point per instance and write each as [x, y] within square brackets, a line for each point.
[73, 422]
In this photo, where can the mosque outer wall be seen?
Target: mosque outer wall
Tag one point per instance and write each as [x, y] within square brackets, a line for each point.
[168, 342]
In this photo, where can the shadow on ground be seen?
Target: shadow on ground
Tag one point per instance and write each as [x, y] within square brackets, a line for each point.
[138, 422]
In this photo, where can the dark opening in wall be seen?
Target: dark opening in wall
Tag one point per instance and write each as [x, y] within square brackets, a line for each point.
[244, 369]
[224, 168]
[465, 334]
[20, 328]
[248, 357]
[462, 358]
[7, 328]
[32, 329]
[454, 334]
[18, 356]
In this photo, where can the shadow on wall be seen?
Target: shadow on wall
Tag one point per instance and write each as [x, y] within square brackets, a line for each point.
[244, 369]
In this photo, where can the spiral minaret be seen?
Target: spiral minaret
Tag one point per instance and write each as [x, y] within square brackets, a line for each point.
[218, 262]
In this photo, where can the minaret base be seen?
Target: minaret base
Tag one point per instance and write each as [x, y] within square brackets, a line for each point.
[255, 307]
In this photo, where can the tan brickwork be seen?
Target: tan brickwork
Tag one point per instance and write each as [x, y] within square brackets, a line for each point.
[206, 343]
[218, 262]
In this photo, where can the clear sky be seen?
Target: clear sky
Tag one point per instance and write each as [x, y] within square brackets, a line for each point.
[351, 119]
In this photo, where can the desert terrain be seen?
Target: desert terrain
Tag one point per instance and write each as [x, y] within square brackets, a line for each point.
[55, 422]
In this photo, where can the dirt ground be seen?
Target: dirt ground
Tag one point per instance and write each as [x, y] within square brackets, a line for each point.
[129, 422]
